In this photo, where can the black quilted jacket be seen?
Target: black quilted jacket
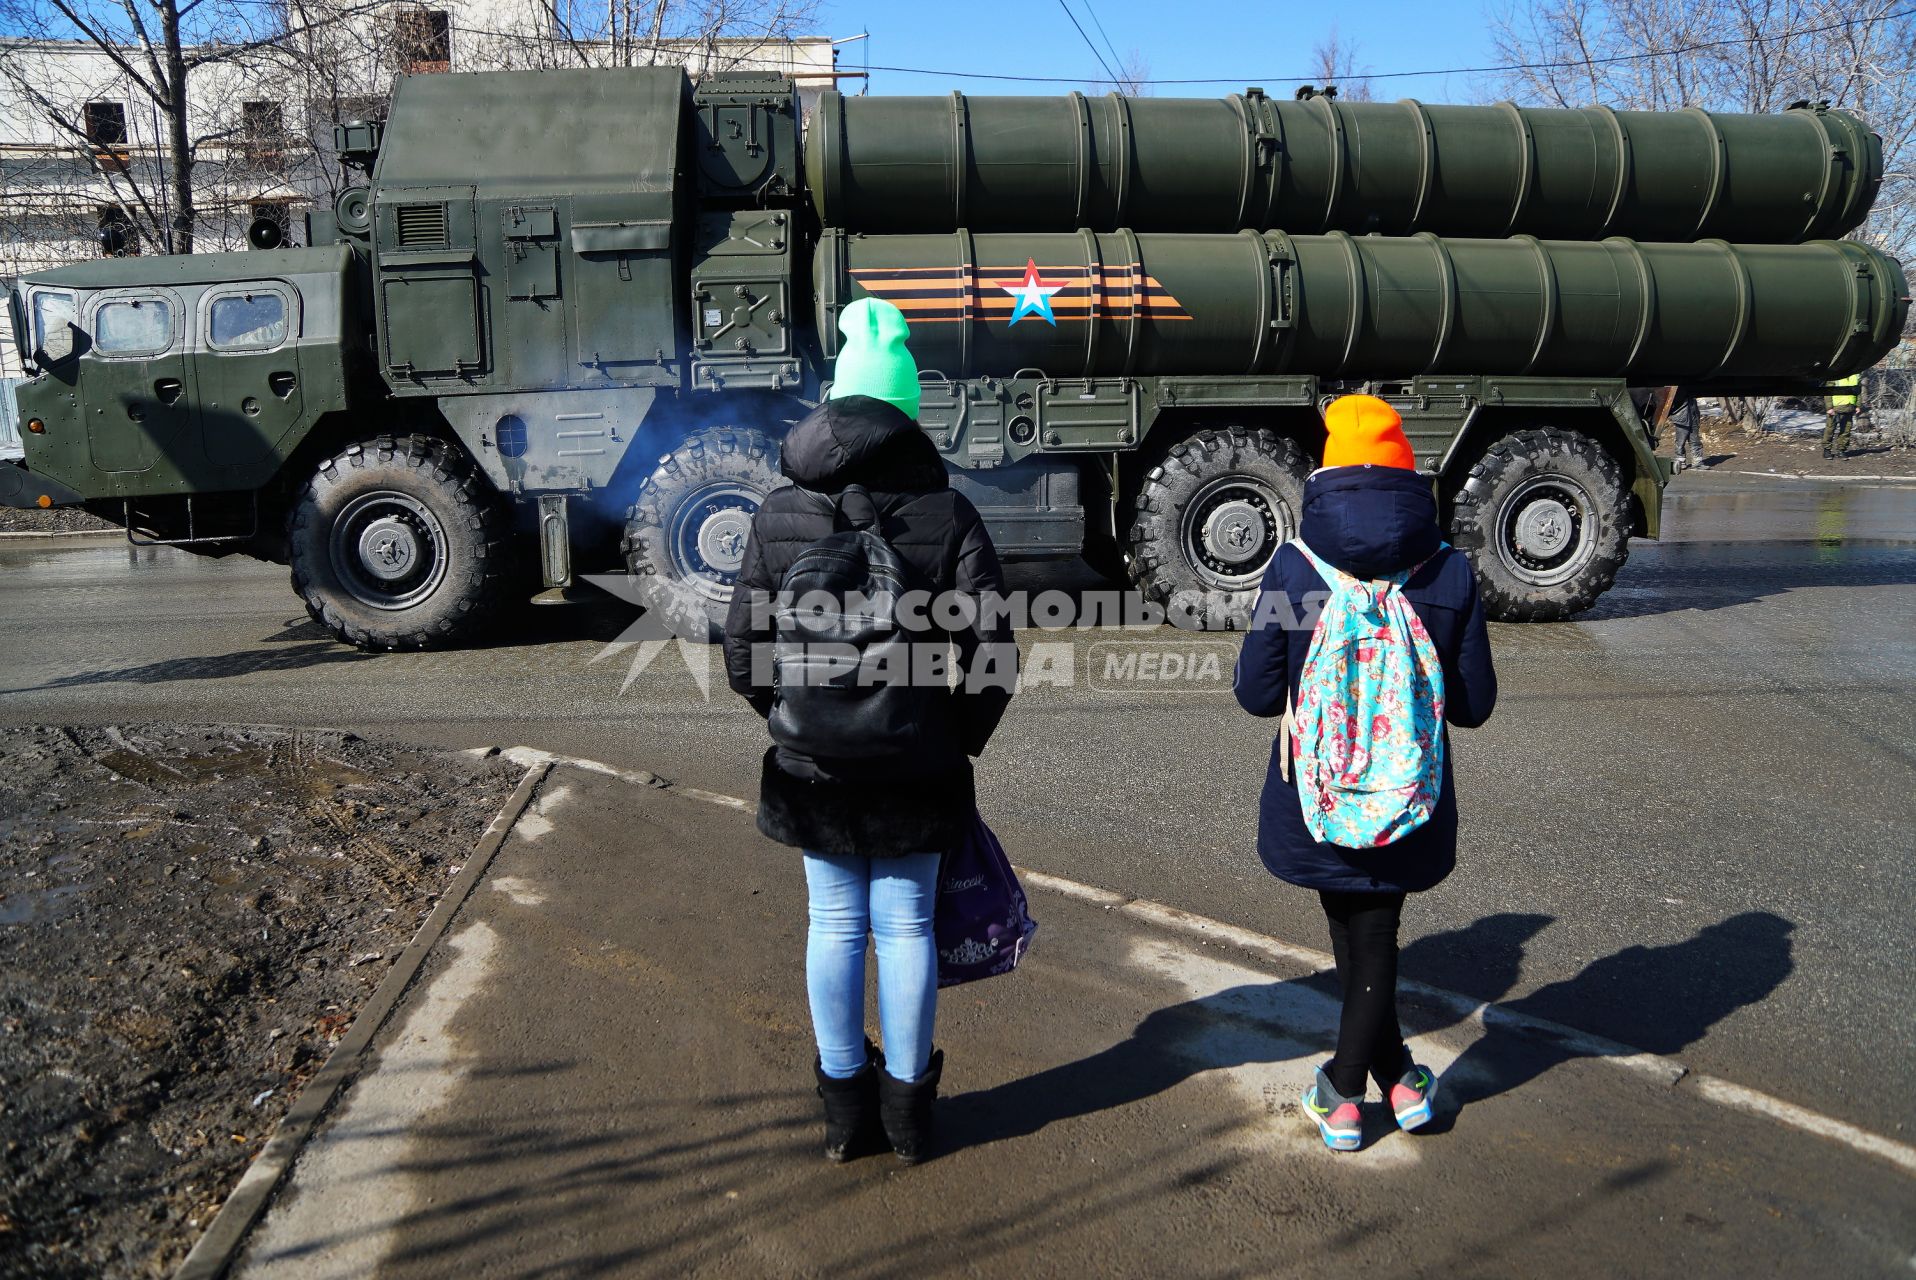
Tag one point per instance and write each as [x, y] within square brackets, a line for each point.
[888, 806]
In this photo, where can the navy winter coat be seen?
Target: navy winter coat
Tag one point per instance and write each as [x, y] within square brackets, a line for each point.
[1370, 522]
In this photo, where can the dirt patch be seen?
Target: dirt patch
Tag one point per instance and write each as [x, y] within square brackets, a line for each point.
[59, 520]
[189, 919]
[1801, 453]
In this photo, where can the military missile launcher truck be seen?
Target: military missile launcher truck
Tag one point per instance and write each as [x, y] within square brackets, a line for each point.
[574, 310]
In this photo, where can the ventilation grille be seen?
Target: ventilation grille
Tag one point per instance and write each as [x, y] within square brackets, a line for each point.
[422, 226]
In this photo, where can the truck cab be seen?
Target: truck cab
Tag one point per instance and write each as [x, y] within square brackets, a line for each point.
[168, 391]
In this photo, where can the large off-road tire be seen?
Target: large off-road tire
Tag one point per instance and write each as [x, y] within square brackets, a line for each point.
[685, 536]
[1544, 516]
[399, 543]
[1208, 518]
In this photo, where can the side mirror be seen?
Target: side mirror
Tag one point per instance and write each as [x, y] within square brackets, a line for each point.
[59, 345]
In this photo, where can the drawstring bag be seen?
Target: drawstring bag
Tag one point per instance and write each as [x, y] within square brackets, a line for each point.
[981, 923]
[1367, 730]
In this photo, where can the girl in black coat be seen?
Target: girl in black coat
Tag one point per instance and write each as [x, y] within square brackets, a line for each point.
[874, 828]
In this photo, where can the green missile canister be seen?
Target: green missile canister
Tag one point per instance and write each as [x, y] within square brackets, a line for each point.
[1121, 303]
[922, 164]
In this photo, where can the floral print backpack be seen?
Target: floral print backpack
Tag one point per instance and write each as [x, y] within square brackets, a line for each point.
[1367, 725]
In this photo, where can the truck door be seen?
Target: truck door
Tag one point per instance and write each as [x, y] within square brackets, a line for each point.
[246, 365]
[134, 382]
[626, 324]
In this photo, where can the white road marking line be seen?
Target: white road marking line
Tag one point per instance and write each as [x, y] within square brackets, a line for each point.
[1667, 1070]
[1725, 1094]
[1266, 1040]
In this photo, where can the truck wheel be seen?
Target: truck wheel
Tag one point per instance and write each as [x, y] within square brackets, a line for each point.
[1544, 517]
[399, 543]
[685, 538]
[1209, 517]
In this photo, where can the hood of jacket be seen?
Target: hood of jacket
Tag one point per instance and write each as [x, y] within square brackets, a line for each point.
[1370, 521]
[860, 440]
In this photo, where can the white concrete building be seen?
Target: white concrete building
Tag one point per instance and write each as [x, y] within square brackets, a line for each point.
[82, 151]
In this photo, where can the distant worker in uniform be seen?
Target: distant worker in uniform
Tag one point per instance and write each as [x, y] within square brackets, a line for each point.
[1686, 421]
[1359, 803]
[1842, 416]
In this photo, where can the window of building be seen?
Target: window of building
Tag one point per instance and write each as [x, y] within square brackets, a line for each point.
[106, 124]
[422, 39]
[133, 326]
[246, 320]
[262, 131]
[118, 239]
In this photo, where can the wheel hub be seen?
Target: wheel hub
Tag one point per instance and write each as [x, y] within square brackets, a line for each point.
[1236, 531]
[389, 548]
[721, 537]
[1231, 527]
[1543, 528]
[1547, 530]
[709, 529]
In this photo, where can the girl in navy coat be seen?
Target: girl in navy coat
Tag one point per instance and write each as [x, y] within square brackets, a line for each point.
[1369, 514]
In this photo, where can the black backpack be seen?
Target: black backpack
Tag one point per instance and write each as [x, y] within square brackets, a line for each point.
[843, 665]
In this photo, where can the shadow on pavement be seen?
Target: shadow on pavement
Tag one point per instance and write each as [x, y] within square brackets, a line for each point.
[1660, 999]
[1232, 1028]
[211, 667]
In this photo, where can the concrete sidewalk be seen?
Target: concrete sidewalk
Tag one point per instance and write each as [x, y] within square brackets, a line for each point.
[604, 1070]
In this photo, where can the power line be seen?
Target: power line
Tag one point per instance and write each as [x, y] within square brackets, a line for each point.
[1099, 24]
[1088, 43]
[1562, 65]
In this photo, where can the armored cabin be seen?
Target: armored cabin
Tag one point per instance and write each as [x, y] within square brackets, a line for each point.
[552, 251]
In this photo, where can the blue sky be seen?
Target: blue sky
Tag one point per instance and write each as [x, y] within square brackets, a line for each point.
[1265, 44]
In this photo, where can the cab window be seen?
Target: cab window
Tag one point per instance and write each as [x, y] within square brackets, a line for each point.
[133, 326]
[242, 321]
[52, 313]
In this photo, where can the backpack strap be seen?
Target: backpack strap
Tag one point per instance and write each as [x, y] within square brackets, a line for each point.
[1333, 576]
[853, 507]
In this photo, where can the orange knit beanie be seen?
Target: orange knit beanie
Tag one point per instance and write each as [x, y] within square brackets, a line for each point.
[1362, 429]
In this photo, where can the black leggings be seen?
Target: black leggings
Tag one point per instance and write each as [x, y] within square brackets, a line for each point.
[1364, 940]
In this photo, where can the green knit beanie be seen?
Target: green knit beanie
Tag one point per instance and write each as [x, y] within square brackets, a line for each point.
[873, 360]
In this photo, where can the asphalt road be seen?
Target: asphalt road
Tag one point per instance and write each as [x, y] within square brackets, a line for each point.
[1688, 827]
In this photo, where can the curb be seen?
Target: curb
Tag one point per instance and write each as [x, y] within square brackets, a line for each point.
[1810, 475]
[217, 1246]
[103, 535]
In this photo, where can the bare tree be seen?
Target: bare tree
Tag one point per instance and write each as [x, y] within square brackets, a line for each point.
[1134, 75]
[156, 55]
[1730, 55]
[718, 35]
[1334, 62]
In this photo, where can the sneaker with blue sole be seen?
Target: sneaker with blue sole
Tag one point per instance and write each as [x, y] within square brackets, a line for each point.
[1339, 1119]
[1411, 1097]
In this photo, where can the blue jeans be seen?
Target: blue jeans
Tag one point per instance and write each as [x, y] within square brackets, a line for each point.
[889, 899]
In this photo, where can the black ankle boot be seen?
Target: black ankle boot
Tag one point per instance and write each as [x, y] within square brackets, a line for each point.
[906, 1110]
[851, 1108]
